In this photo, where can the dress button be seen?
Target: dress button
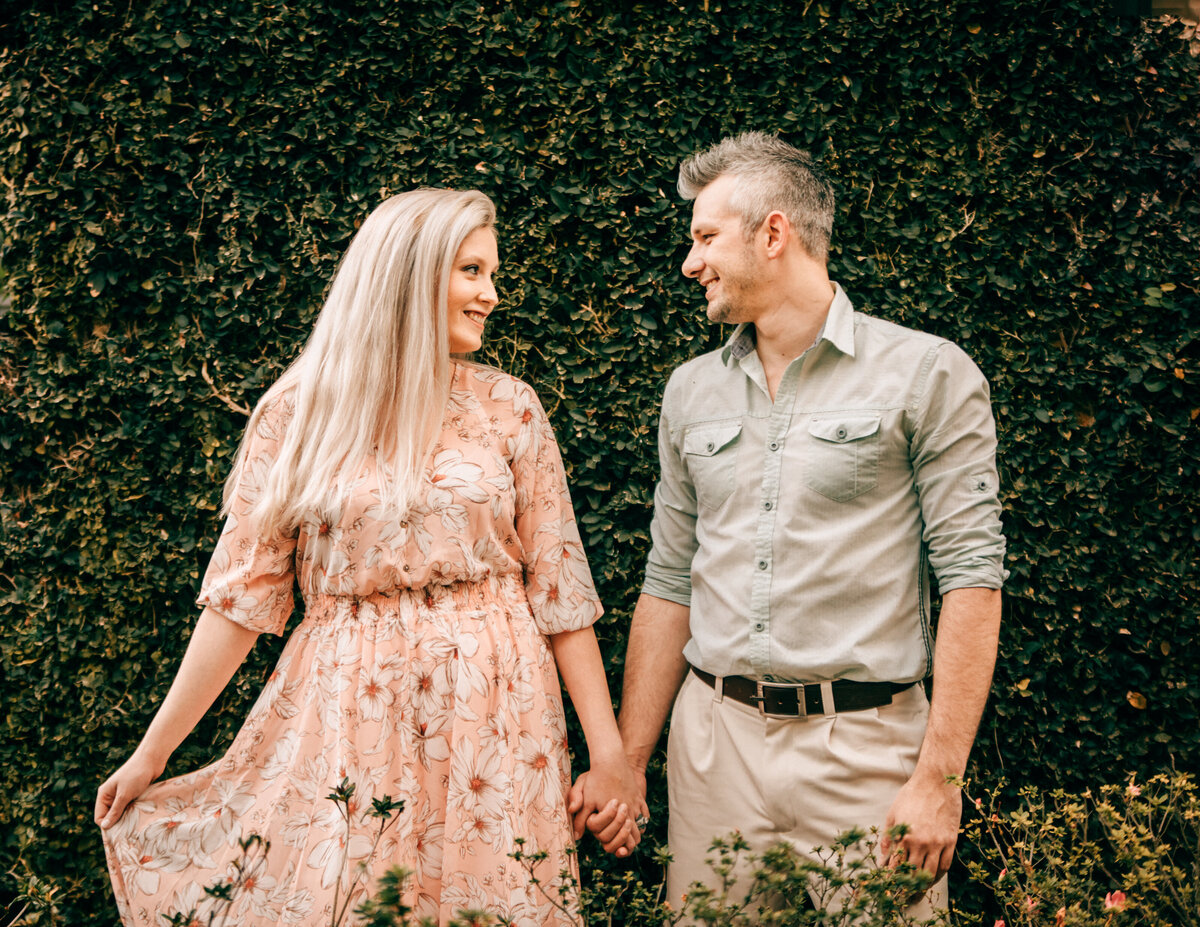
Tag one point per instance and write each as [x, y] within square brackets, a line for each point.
[405, 568]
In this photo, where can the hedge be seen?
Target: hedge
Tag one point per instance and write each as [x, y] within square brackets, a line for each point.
[180, 179]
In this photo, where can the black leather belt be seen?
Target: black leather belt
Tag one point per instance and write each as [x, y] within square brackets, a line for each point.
[785, 700]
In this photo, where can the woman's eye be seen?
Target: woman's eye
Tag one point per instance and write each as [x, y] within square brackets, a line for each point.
[471, 269]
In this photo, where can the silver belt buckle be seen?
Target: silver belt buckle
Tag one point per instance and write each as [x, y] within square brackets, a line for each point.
[801, 708]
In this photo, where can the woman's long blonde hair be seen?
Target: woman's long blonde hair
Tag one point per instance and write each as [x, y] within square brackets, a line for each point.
[374, 377]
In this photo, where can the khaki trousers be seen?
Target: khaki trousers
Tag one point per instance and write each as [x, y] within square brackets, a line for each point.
[800, 780]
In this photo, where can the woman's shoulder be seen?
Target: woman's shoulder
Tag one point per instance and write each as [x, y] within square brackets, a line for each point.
[492, 383]
[273, 412]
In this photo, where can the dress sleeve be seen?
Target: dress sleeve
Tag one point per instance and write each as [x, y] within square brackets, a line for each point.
[557, 579]
[250, 576]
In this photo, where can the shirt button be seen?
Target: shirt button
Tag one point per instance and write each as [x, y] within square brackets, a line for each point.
[841, 433]
[708, 446]
[774, 445]
[758, 626]
[762, 564]
[767, 506]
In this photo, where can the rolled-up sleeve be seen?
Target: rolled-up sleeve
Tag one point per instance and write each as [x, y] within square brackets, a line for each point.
[953, 453]
[250, 576]
[673, 528]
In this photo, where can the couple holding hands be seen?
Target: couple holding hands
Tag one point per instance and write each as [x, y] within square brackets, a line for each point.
[813, 471]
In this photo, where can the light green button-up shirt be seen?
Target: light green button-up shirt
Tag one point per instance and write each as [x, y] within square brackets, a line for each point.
[801, 531]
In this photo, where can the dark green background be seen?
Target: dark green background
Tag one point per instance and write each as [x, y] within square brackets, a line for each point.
[180, 179]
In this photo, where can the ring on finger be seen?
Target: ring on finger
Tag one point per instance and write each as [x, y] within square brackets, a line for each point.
[642, 821]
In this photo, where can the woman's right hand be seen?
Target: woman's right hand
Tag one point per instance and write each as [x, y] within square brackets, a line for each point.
[123, 786]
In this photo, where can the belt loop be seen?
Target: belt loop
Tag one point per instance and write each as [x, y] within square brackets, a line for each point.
[719, 689]
[827, 699]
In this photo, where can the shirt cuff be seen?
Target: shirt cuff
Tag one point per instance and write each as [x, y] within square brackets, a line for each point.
[674, 585]
[979, 575]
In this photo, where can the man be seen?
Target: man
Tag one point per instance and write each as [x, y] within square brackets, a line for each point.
[813, 471]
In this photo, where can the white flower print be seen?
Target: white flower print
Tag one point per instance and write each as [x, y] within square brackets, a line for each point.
[453, 474]
[222, 812]
[277, 694]
[330, 856]
[494, 734]
[279, 760]
[478, 781]
[140, 869]
[541, 777]
[234, 602]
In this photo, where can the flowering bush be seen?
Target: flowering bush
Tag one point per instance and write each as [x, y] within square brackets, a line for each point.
[1118, 855]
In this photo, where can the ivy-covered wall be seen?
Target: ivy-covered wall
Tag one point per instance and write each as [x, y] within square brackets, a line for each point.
[180, 179]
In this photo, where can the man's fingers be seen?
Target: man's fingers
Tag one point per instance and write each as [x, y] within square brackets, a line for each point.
[944, 864]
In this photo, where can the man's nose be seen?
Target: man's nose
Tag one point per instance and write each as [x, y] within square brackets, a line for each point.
[692, 264]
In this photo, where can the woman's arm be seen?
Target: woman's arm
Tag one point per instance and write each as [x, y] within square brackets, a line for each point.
[610, 777]
[216, 650]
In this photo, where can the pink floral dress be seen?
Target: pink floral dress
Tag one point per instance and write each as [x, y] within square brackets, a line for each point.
[421, 671]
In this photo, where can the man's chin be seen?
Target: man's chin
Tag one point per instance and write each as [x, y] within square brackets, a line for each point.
[720, 312]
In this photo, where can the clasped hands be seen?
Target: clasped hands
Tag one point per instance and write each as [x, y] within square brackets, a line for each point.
[610, 800]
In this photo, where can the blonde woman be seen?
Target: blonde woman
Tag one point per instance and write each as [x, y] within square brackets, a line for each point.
[420, 503]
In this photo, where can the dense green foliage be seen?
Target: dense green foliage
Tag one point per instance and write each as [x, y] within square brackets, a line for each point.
[180, 179]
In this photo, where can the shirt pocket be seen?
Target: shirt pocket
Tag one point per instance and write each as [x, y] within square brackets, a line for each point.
[711, 453]
[842, 455]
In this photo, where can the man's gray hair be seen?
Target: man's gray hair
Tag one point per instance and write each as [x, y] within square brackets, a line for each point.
[771, 175]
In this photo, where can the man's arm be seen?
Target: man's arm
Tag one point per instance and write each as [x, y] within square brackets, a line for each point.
[654, 671]
[965, 656]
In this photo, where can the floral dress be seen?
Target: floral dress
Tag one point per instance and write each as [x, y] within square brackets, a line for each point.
[420, 671]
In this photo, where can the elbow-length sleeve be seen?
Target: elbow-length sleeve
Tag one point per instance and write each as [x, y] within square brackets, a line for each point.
[250, 576]
[558, 581]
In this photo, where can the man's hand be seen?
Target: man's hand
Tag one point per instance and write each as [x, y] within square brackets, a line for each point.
[612, 824]
[932, 811]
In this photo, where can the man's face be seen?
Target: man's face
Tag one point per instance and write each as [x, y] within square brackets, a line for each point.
[721, 259]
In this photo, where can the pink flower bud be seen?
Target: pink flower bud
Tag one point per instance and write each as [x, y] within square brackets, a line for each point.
[1114, 901]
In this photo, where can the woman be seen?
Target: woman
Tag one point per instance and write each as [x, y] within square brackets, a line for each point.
[420, 503]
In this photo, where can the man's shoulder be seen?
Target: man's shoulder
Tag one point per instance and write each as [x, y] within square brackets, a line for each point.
[706, 364]
[874, 328]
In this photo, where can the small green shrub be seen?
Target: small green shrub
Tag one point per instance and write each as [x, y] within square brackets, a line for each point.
[1116, 855]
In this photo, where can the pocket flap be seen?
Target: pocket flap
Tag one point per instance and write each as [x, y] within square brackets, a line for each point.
[707, 441]
[844, 428]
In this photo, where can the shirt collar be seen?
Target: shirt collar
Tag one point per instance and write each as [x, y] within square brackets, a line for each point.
[838, 330]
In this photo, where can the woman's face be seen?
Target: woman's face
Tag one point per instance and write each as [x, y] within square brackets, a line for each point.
[471, 296]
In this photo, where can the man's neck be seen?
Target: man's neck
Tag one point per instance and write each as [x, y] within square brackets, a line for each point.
[785, 332]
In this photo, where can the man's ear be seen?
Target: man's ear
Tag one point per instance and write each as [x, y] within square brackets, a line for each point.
[778, 232]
